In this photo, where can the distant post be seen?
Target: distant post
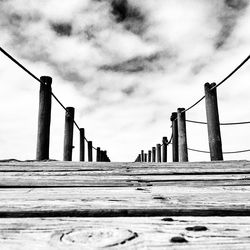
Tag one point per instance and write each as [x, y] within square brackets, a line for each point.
[44, 117]
[82, 144]
[68, 134]
[175, 153]
[158, 146]
[142, 156]
[98, 154]
[182, 136]
[164, 149]
[101, 155]
[139, 158]
[153, 154]
[90, 154]
[213, 122]
[105, 156]
[149, 155]
[145, 157]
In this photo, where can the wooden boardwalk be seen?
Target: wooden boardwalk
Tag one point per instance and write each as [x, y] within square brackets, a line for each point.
[67, 205]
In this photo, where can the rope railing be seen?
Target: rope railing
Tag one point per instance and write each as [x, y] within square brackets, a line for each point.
[222, 124]
[213, 121]
[234, 71]
[213, 124]
[224, 152]
[51, 93]
[220, 83]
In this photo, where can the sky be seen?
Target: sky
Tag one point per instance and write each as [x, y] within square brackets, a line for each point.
[125, 65]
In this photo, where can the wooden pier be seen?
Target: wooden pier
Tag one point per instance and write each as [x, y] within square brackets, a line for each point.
[79, 205]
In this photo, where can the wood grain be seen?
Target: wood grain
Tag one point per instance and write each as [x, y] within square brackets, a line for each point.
[68, 174]
[125, 233]
[125, 201]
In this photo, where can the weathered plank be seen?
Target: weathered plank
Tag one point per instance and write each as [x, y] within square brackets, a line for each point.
[125, 233]
[39, 174]
[59, 189]
[58, 179]
[189, 166]
[127, 201]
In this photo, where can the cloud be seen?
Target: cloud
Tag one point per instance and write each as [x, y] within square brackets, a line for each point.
[131, 17]
[228, 17]
[139, 64]
[125, 65]
[62, 29]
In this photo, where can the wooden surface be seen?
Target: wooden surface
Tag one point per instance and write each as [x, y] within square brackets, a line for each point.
[67, 205]
[125, 233]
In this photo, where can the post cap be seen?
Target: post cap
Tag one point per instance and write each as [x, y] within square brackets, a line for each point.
[164, 140]
[179, 110]
[46, 79]
[173, 116]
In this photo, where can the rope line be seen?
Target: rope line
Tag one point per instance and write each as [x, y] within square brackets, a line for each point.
[19, 64]
[37, 79]
[236, 152]
[221, 82]
[226, 152]
[223, 124]
[228, 76]
[191, 121]
[170, 141]
[199, 151]
[192, 106]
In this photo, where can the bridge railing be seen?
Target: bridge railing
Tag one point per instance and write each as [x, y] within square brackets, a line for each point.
[178, 138]
[44, 119]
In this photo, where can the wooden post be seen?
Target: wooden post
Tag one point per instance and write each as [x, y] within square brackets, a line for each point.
[82, 144]
[153, 154]
[68, 134]
[175, 151]
[164, 149]
[98, 154]
[149, 155]
[182, 136]
[90, 153]
[105, 156]
[213, 123]
[145, 157]
[142, 156]
[101, 156]
[158, 146]
[139, 158]
[44, 117]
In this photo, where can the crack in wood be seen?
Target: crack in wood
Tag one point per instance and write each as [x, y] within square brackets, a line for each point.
[132, 237]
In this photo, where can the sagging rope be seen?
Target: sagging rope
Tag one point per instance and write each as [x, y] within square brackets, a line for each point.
[222, 124]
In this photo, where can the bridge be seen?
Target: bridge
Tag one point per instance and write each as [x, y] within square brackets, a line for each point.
[147, 204]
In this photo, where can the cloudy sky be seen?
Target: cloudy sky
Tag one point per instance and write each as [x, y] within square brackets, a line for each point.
[125, 65]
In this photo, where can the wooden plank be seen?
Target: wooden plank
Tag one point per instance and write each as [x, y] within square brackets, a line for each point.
[125, 233]
[151, 201]
[123, 164]
[34, 179]
[194, 167]
[40, 174]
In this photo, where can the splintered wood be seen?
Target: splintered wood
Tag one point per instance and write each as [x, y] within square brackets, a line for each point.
[69, 205]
